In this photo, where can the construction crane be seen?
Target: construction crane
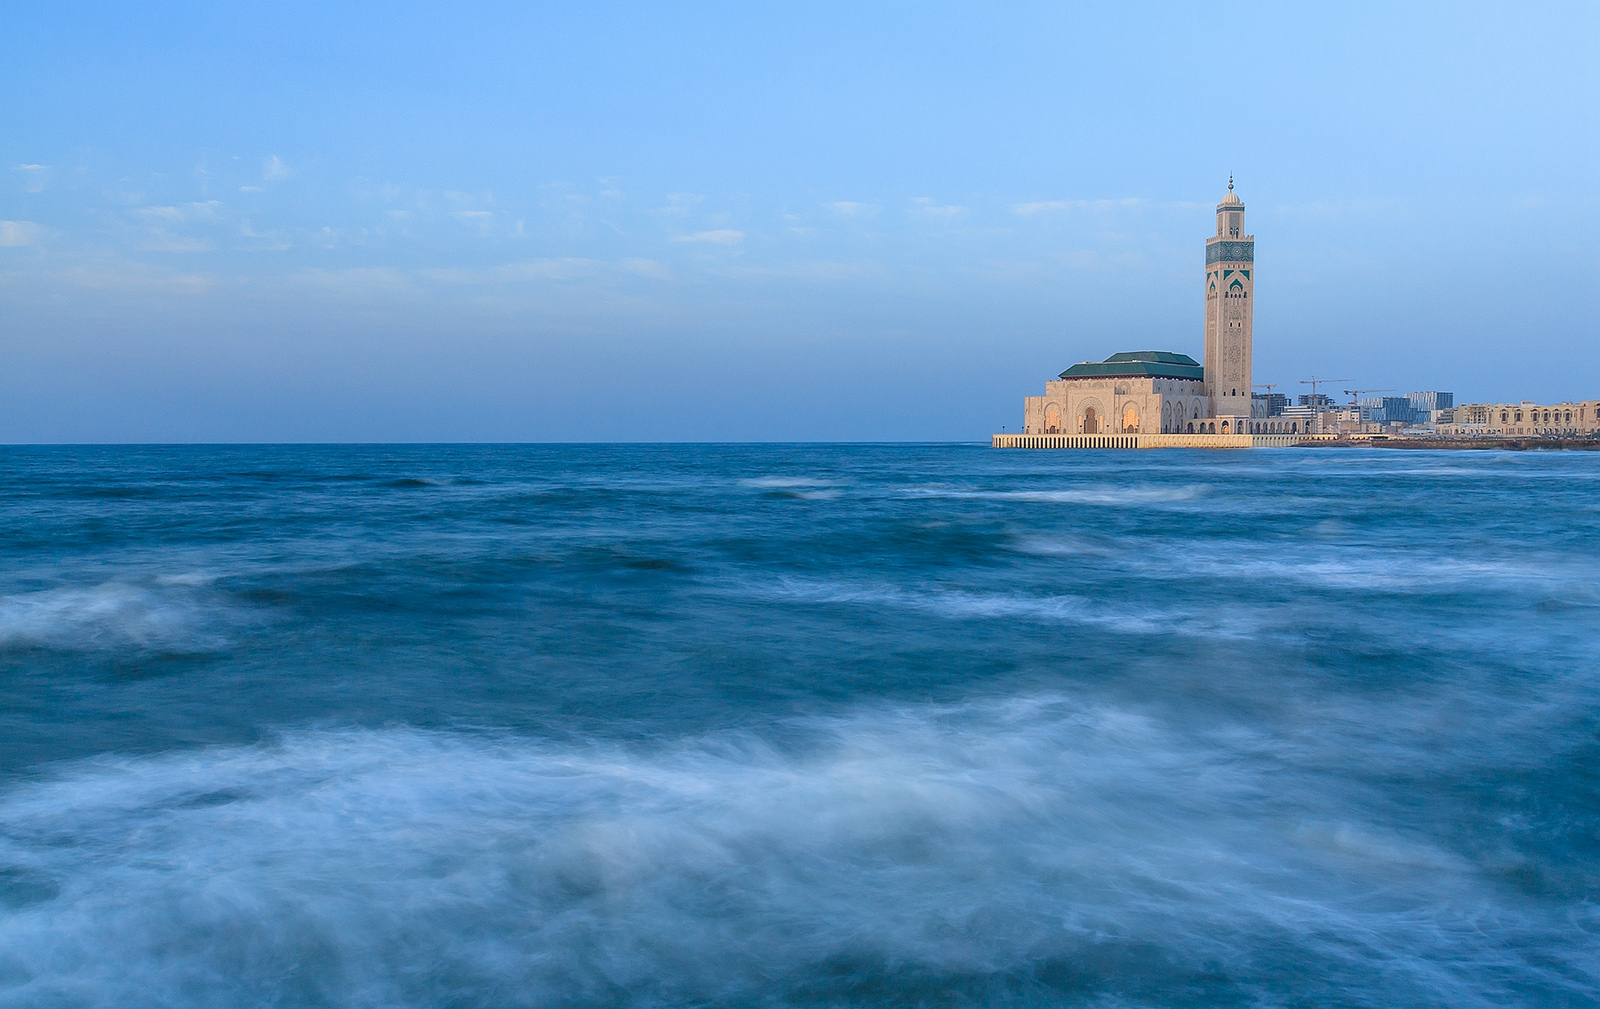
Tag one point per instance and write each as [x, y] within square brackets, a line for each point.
[1314, 381]
[1355, 396]
[1269, 387]
[1316, 404]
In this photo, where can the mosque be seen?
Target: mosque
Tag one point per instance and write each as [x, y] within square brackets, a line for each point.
[1156, 398]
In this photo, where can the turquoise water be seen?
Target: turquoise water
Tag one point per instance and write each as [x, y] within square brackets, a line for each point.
[798, 725]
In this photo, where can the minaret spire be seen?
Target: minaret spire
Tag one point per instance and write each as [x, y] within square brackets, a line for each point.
[1230, 286]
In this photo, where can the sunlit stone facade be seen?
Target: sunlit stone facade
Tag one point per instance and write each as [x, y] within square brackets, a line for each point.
[1230, 286]
[1145, 392]
[1523, 420]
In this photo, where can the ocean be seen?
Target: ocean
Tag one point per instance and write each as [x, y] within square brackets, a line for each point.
[777, 725]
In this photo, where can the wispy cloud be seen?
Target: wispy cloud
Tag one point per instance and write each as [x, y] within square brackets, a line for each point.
[849, 208]
[272, 239]
[14, 233]
[923, 206]
[168, 228]
[166, 241]
[113, 275]
[34, 177]
[275, 169]
[679, 204]
[719, 236]
[186, 214]
[484, 219]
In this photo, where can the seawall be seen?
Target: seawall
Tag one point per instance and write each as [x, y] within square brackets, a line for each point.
[1154, 440]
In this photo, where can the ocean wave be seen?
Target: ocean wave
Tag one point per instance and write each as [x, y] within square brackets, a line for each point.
[966, 604]
[785, 482]
[1402, 569]
[1148, 495]
[1032, 849]
[1058, 546]
[171, 612]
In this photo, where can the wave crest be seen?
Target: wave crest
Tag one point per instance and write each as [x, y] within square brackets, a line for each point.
[1037, 847]
[172, 613]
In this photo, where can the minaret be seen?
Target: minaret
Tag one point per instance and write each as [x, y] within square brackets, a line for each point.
[1230, 261]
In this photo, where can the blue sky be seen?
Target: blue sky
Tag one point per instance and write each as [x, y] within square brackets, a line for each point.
[298, 221]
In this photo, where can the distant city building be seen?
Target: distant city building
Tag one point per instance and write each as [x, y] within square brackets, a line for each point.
[1428, 402]
[1398, 410]
[1318, 401]
[1523, 420]
[1268, 404]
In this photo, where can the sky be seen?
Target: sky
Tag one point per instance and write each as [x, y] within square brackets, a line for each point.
[732, 222]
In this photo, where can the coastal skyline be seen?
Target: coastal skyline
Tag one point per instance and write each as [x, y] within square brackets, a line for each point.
[382, 223]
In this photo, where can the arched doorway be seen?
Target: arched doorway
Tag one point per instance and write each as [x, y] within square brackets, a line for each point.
[1052, 419]
[1091, 423]
[1130, 420]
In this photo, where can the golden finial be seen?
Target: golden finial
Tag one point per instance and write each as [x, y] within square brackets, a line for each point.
[1230, 182]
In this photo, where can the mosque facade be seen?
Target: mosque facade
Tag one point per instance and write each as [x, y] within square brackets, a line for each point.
[1154, 392]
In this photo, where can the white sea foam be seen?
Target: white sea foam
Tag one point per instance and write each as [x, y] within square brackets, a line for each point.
[172, 612]
[402, 867]
[1401, 568]
[1074, 609]
[786, 482]
[1057, 546]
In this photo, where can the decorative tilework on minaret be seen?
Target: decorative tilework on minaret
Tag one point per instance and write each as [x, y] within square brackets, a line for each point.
[1230, 266]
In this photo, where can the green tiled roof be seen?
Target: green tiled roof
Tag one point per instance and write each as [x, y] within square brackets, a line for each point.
[1151, 363]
